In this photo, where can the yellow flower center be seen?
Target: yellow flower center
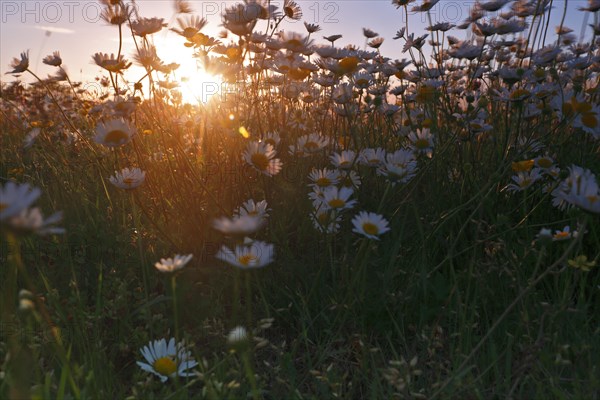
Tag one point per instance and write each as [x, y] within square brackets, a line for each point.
[348, 64]
[3, 206]
[260, 161]
[323, 182]
[525, 183]
[519, 94]
[561, 235]
[116, 136]
[521, 166]
[323, 218]
[128, 181]
[189, 32]
[421, 144]
[544, 163]
[567, 109]
[370, 228]
[589, 120]
[165, 366]
[246, 259]
[311, 146]
[294, 43]
[591, 198]
[289, 12]
[336, 203]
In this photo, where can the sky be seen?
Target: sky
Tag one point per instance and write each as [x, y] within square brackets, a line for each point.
[76, 30]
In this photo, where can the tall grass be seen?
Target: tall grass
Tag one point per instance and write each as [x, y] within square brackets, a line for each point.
[468, 295]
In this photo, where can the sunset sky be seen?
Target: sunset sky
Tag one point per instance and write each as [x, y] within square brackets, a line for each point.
[75, 29]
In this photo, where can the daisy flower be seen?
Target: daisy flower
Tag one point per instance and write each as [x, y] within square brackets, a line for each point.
[15, 198]
[147, 26]
[239, 225]
[237, 335]
[260, 155]
[254, 255]
[31, 220]
[113, 133]
[372, 157]
[272, 138]
[309, 144]
[167, 360]
[563, 234]
[524, 180]
[349, 179]
[343, 160]
[399, 166]
[53, 59]
[323, 178]
[128, 178]
[110, 63]
[422, 141]
[370, 224]
[326, 220]
[252, 209]
[21, 65]
[581, 189]
[30, 138]
[338, 199]
[173, 264]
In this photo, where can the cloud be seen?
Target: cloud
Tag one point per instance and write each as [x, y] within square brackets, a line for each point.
[55, 29]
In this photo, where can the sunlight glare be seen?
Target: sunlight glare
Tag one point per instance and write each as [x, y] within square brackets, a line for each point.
[195, 84]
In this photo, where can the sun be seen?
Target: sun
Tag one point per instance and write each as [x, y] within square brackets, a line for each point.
[198, 86]
[195, 84]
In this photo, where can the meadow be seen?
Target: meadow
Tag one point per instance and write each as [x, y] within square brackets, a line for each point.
[335, 223]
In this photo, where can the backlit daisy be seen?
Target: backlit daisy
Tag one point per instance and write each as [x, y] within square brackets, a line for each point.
[15, 198]
[338, 199]
[370, 224]
[167, 360]
[309, 144]
[111, 63]
[113, 133]
[372, 157]
[128, 178]
[581, 189]
[399, 166]
[326, 220]
[254, 255]
[21, 65]
[239, 225]
[524, 180]
[253, 209]
[323, 178]
[422, 141]
[343, 160]
[260, 155]
[173, 264]
[349, 179]
[31, 220]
